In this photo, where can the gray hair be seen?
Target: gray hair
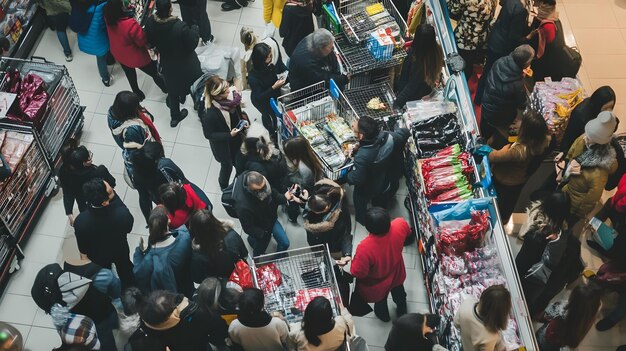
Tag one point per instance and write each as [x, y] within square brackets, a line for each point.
[322, 38]
[523, 55]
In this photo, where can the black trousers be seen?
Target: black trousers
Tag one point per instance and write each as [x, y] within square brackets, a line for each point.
[269, 122]
[507, 198]
[226, 168]
[149, 69]
[123, 265]
[196, 14]
[398, 295]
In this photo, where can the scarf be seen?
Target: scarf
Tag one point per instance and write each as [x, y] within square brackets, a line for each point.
[228, 105]
[143, 115]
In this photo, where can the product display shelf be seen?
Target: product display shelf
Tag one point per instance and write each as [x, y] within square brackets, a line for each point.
[21, 21]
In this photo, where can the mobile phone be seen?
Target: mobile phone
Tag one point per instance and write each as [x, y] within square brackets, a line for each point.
[242, 124]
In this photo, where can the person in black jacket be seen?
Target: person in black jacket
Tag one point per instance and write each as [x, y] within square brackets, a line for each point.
[421, 70]
[313, 60]
[194, 12]
[507, 33]
[216, 247]
[296, 23]
[257, 205]
[259, 154]
[220, 117]
[504, 95]
[78, 169]
[413, 332]
[176, 44]
[101, 230]
[264, 83]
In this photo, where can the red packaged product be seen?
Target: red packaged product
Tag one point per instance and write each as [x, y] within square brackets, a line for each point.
[269, 277]
[304, 296]
[241, 275]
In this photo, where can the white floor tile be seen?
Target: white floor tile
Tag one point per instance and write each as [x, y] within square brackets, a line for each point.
[217, 16]
[89, 99]
[193, 160]
[17, 309]
[23, 329]
[42, 248]
[53, 221]
[21, 281]
[42, 339]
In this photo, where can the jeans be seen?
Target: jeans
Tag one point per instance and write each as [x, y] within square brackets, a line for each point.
[259, 245]
[149, 69]
[65, 43]
[196, 14]
[102, 67]
[105, 332]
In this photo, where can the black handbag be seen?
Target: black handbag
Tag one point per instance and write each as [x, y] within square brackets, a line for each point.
[358, 307]
[571, 62]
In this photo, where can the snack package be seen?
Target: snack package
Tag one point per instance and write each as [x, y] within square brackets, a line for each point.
[269, 277]
[304, 296]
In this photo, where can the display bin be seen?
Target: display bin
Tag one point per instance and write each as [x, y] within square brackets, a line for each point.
[63, 116]
[359, 97]
[311, 106]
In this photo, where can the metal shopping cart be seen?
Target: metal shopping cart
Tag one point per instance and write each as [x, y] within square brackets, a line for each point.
[309, 110]
[384, 113]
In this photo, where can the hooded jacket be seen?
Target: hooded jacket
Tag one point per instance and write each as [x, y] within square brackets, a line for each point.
[510, 28]
[296, 24]
[261, 83]
[504, 92]
[95, 40]
[369, 173]
[585, 189]
[72, 181]
[128, 43]
[307, 68]
[55, 7]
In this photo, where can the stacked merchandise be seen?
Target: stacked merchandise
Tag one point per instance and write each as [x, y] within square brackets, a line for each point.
[446, 176]
[13, 146]
[555, 101]
[435, 133]
[15, 16]
[331, 138]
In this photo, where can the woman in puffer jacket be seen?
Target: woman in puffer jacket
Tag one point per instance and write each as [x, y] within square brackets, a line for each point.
[94, 40]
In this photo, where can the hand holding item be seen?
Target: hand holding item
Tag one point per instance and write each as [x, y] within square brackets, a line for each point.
[71, 218]
[343, 261]
[574, 168]
[279, 83]
[142, 245]
[234, 132]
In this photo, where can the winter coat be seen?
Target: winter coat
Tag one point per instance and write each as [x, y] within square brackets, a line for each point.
[223, 145]
[554, 58]
[257, 217]
[504, 92]
[330, 341]
[55, 7]
[95, 304]
[128, 43]
[176, 44]
[550, 258]
[306, 68]
[619, 198]
[404, 337]
[261, 90]
[95, 40]
[273, 11]
[371, 163]
[259, 333]
[192, 204]
[510, 28]
[130, 134]
[165, 267]
[474, 17]
[585, 189]
[474, 335]
[72, 181]
[274, 170]
[378, 264]
[578, 118]
[515, 163]
[333, 228]
[296, 24]
[411, 85]
[222, 265]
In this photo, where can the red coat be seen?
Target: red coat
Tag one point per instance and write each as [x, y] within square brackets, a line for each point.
[192, 204]
[128, 43]
[619, 199]
[378, 264]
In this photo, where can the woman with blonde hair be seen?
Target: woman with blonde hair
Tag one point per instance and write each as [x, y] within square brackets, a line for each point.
[222, 125]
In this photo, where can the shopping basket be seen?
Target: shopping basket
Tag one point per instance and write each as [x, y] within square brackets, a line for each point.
[385, 114]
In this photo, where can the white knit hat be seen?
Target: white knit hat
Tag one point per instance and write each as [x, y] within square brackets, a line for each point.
[600, 129]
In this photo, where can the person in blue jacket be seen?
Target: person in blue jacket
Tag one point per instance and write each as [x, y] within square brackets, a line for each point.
[164, 264]
[94, 40]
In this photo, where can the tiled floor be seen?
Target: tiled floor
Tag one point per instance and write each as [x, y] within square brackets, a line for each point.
[596, 25]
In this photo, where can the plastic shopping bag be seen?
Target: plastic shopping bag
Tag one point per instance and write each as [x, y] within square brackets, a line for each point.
[241, 275]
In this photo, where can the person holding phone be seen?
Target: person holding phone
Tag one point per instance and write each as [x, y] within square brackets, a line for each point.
[221, 118]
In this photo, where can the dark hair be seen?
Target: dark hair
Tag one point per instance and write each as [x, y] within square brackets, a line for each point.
[159, 306]
[494, 308]
[208, 232]
[163, 8]
[229, 299]
[523, 55]
[257, 146]
[317, 320]
[407, 329]
[555, 207]
[5, 44]
[323, 196]
[533, 132]
[114, 12]
[259, 54]
[132, 300]
[208, 294]
[125, 106]
[255, 178]
[582, 307]
[74, 155]
[548, 2]
[251, 302]
[157, 224]
[298, 149]
[368, 127]
[377, 221]
[599, 98]
[95, 192]
[146, 159]
[173, 196]
[427, 54]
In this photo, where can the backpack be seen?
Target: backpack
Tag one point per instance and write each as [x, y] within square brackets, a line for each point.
[53, 285]
[228, 201]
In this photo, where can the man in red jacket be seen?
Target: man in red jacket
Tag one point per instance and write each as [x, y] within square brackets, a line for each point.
[378, 264]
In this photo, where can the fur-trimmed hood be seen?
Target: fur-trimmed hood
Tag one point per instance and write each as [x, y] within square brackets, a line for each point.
[228, 225]
[329, 220]
[602, 156]
[158, 19]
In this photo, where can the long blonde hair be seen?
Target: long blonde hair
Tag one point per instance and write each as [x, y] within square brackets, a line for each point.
[213, 87]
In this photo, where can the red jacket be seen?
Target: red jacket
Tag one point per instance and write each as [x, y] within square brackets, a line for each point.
[378, 264]
[619, 199]
[192, 204]
[128, 43]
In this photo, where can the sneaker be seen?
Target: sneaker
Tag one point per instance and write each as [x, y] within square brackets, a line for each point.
[229, 6]
[69, 57]
[605, 324]
[183, 114]
[107, 83]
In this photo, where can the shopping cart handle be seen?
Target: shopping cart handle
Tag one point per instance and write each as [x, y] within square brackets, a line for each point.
[334, 90]
[43, 59]
[274, 106]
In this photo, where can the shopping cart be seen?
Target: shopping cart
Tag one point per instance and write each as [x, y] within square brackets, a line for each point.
[304, 273]
[312, 106]
[385, 114]
[357, 24]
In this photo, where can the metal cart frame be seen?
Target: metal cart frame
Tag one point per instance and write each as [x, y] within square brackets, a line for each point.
[360, 96]
[313, 104]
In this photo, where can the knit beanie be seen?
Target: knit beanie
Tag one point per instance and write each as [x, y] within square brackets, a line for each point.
[600, 129]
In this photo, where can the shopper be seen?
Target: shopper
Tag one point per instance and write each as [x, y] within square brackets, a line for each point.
[129, 46]
[265, 84]
[180, 201]
[513, 164]
[313, 60]
[421, 70]
[58, 17]
[101, 230]
[132, 129]
[164, 264]
[296, 24]
[92, 35]
[504, 95]
[249, 41]
[568, 322]
[480, 321]
[378, 264]
[473, 19]
[305, 169]
[615, 209]
[272, 16]
[219, 297]
[180, 324]
[548, 40]
[221, 117]
[508, 32]
[319, 330]
[176, 43]
[76, 170]
[216, 246]
[254, 329]
[590, 160]
[259, 154]
[413, 332]
[194, 12]
[257, 209]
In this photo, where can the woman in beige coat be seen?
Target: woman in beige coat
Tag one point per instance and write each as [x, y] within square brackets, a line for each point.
[319, 331]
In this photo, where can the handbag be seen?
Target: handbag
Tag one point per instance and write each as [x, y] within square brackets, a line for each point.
[571, 62]
[358, 307]
[241, 275]
[355, 342]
